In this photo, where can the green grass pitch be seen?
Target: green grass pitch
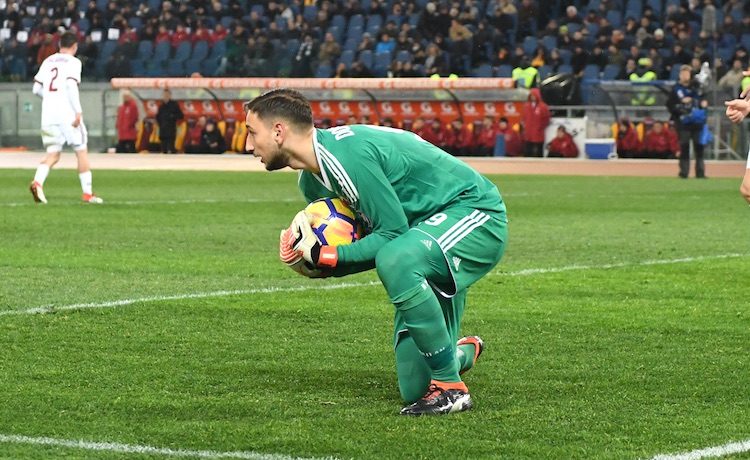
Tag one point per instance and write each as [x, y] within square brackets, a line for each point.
[616, 327]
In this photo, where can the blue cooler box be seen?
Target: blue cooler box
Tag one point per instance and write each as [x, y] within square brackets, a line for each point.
[601, 149]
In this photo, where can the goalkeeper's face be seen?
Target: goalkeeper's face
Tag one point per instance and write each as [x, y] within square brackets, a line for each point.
[263, 142]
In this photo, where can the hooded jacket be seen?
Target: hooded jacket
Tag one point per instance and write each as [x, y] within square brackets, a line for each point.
[534, 118]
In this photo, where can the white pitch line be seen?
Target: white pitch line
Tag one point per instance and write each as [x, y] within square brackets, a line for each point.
[202, 295]
[168, 202]
[535, 271]
[709, 452]
[135, 449]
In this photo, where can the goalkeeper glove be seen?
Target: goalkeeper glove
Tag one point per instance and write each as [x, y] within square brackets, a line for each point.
[307, 244]
[293, 259]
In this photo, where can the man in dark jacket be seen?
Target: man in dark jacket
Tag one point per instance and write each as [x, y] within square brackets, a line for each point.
[688, 111]
[166, 117]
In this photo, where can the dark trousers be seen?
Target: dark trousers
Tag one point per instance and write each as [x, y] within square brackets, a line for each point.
[533, 149]
[685, 136]
[167, 143]
[125, 146]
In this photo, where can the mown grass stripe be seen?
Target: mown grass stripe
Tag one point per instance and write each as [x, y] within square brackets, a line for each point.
[202, 295]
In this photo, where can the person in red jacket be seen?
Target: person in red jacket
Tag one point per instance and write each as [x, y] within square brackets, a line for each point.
[562, 146]
[127, 119]
[486, 137]
[513, 141]
[658, 143]
[628, 144]
[460, 139]
[194, 134]
[437, 135]
[535, 117]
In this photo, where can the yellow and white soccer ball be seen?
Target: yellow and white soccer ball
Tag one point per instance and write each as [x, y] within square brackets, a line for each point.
[334, 223]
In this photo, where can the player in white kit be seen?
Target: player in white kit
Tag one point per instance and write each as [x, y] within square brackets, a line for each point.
[62, 118]
[737, 110]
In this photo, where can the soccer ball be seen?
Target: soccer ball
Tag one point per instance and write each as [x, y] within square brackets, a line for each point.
[334, 222]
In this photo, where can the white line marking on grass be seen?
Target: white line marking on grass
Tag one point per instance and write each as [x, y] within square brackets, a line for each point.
[134, 449]
[138, 203]
[535, 271]
[202, 295]
[716, 451]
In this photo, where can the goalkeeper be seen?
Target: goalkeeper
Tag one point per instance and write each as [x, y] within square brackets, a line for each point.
[437, 226]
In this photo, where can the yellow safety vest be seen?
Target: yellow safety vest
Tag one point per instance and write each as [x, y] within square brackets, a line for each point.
[643, 96]
[745, 82]
[529, 75]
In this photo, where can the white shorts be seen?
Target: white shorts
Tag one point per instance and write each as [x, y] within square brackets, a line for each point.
[55, 136]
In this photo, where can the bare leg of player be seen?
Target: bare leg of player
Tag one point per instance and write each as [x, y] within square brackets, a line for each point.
[42, 171]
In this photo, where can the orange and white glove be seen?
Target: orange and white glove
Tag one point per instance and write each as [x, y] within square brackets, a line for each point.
[307, 243]
[293, 259]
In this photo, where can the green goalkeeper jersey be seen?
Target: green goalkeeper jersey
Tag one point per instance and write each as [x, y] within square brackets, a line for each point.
[394, 180]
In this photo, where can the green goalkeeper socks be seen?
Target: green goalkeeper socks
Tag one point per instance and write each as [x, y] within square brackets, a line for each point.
[426, 325]
[465, 355]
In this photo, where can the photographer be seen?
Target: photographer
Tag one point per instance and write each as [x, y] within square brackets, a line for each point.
[688, 109]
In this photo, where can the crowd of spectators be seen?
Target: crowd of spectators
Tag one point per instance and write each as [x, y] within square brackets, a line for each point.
[399, 38]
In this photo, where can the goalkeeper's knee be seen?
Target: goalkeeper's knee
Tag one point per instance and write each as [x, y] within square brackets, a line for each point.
[403, 265]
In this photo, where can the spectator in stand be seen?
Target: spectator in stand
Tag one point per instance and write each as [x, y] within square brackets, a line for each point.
[579, 60]
[367, 43]
[127, 120]
[406, 70]
[352, 7]
[148, 33]
[118, 65]
[166, 117]
[194, 134]
[571, 16]
[535, 116]
[88, 54]
[659, 143]
[502, 23]
[630, 27]
[486, 137]
[518, 56]
[740, 54]
[459, 139]
[403, 42]
[303, 59]
[180, 35]
[597, 57]
[219, 33]
[46, 49]
[14, 57]
[733, 77]
[555, 60]
[377, 8]
[201, 32]
[258, 57]
[386, 44]
[435, 63]
[628, 144]
[562, 146]
[528, 18]
[164, 34]
[659, 39]
[359, 70]
[616, 57]
[513, 141]
[461, 37]
[540, 57]
[212, 141]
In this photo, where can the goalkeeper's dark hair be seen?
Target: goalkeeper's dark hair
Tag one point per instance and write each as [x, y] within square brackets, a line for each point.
[284, 103]
[68, 39]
